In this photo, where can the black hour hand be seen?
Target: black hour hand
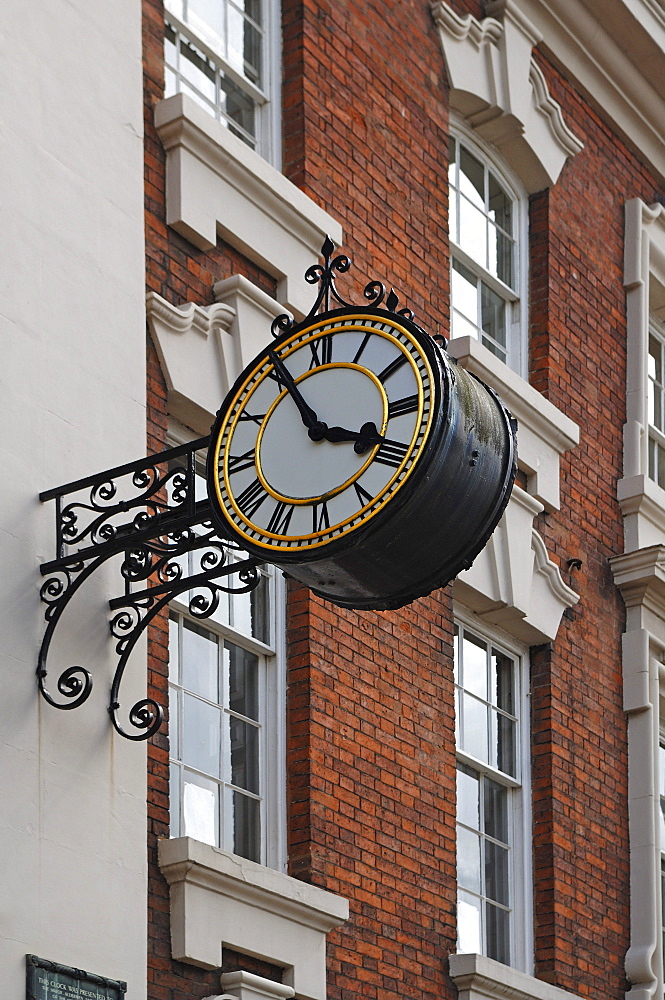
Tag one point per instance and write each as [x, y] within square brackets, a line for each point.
[340, 434]
[363, 440]
[366, 438]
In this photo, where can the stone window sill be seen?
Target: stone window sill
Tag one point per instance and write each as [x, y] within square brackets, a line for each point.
[218, 899]
[215, 184]
[480, 978]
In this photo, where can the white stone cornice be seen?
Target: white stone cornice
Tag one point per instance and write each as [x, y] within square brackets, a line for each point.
[513, 583]
[615, 51]
[499, 90]
[219, 899]
[466, 27]
[189, 342]
[640, 576]
[203, 349]
[216, 184]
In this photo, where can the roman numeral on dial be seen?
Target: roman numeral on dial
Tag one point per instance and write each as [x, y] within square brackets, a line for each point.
[251, 498]
[361, 348]
[363, 496]
[391, 453]
[321, 351]
[238, 463]
[257, 418]
[407, 404]
[320, 517]
[391, 368]
[280, 518]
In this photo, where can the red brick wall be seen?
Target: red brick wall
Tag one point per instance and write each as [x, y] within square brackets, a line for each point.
[370, 704]
[578, 359]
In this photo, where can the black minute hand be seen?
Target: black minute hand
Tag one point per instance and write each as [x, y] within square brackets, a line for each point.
[315, 427]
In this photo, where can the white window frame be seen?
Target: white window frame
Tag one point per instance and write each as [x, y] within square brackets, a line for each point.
[516, 298]
[656, 434]
[266, 99]
[272, 704]
[520, 863]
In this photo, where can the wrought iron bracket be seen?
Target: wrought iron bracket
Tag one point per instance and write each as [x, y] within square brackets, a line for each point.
[148, 513]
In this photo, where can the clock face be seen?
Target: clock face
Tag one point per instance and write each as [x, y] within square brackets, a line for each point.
[321, 432]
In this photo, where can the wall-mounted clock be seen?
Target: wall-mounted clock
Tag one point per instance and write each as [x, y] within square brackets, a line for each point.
[355, 455]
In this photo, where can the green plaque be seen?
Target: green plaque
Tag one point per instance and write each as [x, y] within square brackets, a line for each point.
[46, 980]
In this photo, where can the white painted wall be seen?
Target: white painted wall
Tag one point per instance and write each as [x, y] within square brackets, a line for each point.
[72, 390]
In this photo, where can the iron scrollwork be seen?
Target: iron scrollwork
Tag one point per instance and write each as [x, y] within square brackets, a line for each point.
[147, 512]
[329, 297]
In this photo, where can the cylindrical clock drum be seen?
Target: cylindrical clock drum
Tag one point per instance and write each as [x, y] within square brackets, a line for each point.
[353, 453]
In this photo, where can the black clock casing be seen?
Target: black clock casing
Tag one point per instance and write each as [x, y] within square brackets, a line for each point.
[353, 453]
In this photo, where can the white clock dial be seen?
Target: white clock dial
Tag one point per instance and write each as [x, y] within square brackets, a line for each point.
[322, 431]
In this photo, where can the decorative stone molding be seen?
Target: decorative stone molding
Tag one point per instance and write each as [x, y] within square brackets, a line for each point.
[218, 899]
[501, 92]
[203, 349]
[616, 52]
[247, 986]
[480, 978]
[544, 433]
[216, 184]
[640, 576]
[513, 583]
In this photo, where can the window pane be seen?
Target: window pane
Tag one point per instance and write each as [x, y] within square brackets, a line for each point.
[201, 736]
[472, 178]
[174, 663]
[176, 7]
[655, 360]
[200, 809]
[474, 665]
[493, 319]
[468, 859]
[250, 612]
[465, 291]
[497, 931]
[170, 51]
[246, 827]
[473, 232]
[207, 19]
[506, 745]
[500, 262]
[174, 800]
[174, 723]
[496, 872]
[660, 478]
[237, 105]
[500, 205]
[197, 69]
[200, 670]
[502, 681]
[244, 755]
[243, 668]
[496, 810]
[468, 797]
[468, 923]
[474, 727]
